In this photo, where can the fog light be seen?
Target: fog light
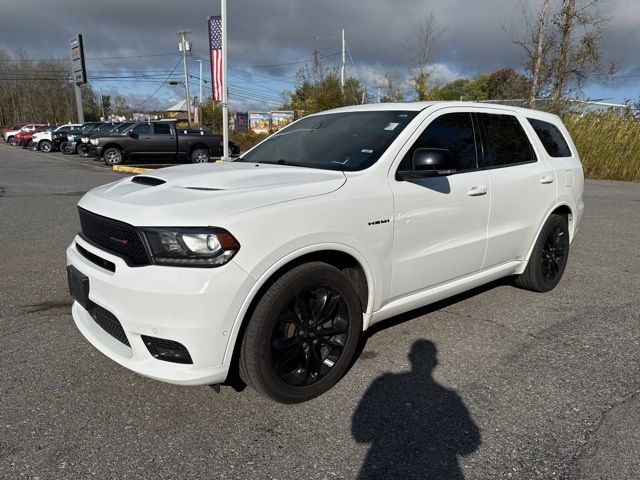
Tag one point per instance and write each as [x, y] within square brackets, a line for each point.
[167, 350]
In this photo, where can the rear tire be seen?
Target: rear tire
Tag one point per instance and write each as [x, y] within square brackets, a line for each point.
[302, 335]
[33, 146]
[113, 156]
[548, 258]
[200, 155]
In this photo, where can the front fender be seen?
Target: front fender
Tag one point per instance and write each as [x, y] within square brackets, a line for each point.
[286, 259]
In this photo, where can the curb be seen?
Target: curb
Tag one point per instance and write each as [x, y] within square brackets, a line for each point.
[135, 170]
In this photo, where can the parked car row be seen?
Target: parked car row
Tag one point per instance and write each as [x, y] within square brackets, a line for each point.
[117, 143]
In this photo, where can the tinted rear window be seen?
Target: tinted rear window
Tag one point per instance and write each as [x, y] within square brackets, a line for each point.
[161, 129]
[552, 139]
[505, 142]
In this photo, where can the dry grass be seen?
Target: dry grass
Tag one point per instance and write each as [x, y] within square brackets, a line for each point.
[608, 144]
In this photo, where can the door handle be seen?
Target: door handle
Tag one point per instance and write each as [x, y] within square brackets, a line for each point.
[477, 191]
[546, 179]
[146, 138]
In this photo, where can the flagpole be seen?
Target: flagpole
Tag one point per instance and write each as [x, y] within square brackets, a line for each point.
[225, 106]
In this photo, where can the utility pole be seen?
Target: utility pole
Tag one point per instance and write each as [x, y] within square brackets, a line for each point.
[343, 62]
[364, 94]
[379, 92]
[200, 97]
[225, 99]
[185, 47]
[104, 118]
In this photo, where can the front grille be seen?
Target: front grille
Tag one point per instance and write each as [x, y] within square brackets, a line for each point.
[116, 237]
[109, 323]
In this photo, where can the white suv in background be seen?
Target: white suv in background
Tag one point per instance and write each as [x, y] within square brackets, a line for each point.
[273, 265]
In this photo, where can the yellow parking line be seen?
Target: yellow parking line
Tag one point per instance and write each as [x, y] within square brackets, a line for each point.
[136, 170]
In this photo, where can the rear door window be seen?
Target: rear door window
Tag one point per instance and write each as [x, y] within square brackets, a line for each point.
[551, 138]
[161, 129]
[504, 140]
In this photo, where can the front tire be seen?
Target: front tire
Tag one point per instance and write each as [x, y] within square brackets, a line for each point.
[12, 141]
[302, 335]
[83, 150]
[67, 149]
[45, 146]
[113, 156]
[33, 146]
[200, 155]
[548, 258]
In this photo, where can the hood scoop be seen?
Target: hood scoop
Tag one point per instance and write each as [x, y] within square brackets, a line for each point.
[149, 181]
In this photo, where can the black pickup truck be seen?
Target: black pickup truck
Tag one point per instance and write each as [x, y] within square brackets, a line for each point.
[150, 140]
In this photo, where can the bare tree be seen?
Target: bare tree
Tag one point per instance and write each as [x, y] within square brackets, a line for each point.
[563, 45]
[539, 53]
[422, 49]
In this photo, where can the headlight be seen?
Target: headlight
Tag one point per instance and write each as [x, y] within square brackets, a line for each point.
[84, 139]
[191, 247]
[94, 141]
[70, 138]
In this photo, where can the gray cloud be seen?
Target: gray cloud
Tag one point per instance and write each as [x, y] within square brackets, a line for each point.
[282, 31]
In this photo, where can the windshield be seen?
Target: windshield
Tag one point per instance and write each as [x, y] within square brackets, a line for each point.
[346, 141]
[121, 128]
[88, 127]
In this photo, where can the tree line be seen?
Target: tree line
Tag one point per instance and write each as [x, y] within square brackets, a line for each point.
[41, 91]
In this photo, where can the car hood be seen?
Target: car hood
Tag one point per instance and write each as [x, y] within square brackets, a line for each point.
[206, 194]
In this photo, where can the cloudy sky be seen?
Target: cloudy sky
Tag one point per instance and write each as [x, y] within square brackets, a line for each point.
[270, 40]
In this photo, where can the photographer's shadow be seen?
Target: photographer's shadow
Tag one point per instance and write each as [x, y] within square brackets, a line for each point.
[416, 427]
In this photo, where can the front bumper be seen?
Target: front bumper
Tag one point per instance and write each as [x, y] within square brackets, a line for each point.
[95, 151]
[194, 306]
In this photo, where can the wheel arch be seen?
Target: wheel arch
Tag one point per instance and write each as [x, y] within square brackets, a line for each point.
[198, 146]
[355, 267]
[563, 209]
[113, 145]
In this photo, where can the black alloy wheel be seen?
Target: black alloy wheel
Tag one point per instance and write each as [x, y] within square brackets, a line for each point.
[302, 334]
[554, 253]
[310, 335]
[548, 258]
[83, 150]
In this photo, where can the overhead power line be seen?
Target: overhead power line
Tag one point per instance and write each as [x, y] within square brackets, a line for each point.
[158, 89]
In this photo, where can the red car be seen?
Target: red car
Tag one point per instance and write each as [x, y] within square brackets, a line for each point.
[17, 126]
[25, 137]
[27, 130]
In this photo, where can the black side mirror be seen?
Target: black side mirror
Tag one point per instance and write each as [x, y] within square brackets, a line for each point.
[133, 134]
[431, 162]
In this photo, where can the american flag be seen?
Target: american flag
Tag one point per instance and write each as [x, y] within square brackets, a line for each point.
[215, 44]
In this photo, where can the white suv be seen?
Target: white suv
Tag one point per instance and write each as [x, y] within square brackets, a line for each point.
[43, 140]
[273, 265]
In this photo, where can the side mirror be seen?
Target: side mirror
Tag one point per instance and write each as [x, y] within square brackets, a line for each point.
[431, 162]
[132, 134]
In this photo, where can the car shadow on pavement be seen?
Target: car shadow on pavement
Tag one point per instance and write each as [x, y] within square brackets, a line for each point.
[416, 427]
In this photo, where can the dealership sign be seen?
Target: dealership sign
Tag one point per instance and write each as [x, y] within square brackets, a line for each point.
[77, 60]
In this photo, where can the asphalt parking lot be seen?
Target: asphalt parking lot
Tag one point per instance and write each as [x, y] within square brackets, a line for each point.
[501, 383]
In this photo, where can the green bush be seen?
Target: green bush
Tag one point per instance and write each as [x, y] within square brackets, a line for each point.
[608, 145]
[246, 140]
